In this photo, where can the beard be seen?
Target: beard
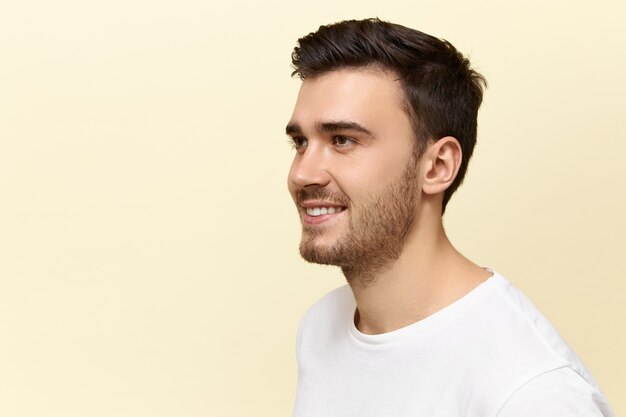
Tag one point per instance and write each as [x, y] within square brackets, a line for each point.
[377, 229]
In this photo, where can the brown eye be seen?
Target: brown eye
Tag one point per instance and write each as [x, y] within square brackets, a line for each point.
[298, 143]
[342, 141]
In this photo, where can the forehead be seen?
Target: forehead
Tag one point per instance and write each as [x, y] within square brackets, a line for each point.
[370, 97]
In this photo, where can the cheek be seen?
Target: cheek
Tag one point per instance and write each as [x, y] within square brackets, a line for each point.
[356, 187]
[371, 176]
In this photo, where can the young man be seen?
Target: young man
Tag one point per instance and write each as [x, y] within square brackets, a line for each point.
[383, 129]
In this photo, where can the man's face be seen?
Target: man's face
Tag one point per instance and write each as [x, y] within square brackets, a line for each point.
[354, 176]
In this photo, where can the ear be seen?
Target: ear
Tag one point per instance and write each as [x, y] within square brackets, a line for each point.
[440, 164]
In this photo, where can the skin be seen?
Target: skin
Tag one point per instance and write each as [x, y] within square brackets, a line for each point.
[354, 144]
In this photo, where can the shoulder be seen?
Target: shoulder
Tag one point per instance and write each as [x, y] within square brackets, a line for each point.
[546, 377]
[525, 327]
[559, 392]
[336, 302]
[335, 309]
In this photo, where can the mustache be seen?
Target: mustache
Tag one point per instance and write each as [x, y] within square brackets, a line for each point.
[314, 192]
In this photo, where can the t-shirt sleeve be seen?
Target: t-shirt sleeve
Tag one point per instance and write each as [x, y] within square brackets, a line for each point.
[561, 392]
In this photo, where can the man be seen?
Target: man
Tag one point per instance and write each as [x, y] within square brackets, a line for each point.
[383, 129]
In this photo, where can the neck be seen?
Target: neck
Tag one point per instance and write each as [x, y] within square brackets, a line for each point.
[428, 275]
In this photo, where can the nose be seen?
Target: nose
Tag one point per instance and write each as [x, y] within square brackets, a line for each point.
[309, 168]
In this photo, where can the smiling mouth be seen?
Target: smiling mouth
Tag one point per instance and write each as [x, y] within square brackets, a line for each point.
[320, 211]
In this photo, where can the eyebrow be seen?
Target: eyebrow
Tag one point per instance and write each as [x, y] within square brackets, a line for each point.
[329, 127]
[293, 129]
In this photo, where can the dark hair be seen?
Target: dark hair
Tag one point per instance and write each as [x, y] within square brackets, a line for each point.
[442, 92]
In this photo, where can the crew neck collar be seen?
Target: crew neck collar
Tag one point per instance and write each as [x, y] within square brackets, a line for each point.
[439, 317]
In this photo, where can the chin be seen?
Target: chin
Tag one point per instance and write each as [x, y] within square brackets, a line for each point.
[324, 251]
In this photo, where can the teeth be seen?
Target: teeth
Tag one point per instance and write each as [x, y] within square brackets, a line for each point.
[320, 211]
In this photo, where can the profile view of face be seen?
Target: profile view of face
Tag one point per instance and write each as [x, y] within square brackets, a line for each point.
[354, 175]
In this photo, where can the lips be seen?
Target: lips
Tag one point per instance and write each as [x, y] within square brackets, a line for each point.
[319, 205]
[320, 211]
[316, 212]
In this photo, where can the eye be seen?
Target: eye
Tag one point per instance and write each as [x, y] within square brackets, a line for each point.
[343, 141]
[298, 143]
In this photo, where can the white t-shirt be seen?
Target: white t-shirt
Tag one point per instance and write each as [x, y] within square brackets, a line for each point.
[490, 353]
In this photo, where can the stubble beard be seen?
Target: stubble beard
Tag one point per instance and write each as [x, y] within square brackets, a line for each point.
[376, 233]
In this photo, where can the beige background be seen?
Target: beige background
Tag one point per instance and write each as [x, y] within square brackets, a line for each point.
[148, 246]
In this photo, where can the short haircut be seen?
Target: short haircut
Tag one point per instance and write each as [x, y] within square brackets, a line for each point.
[442, 92]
